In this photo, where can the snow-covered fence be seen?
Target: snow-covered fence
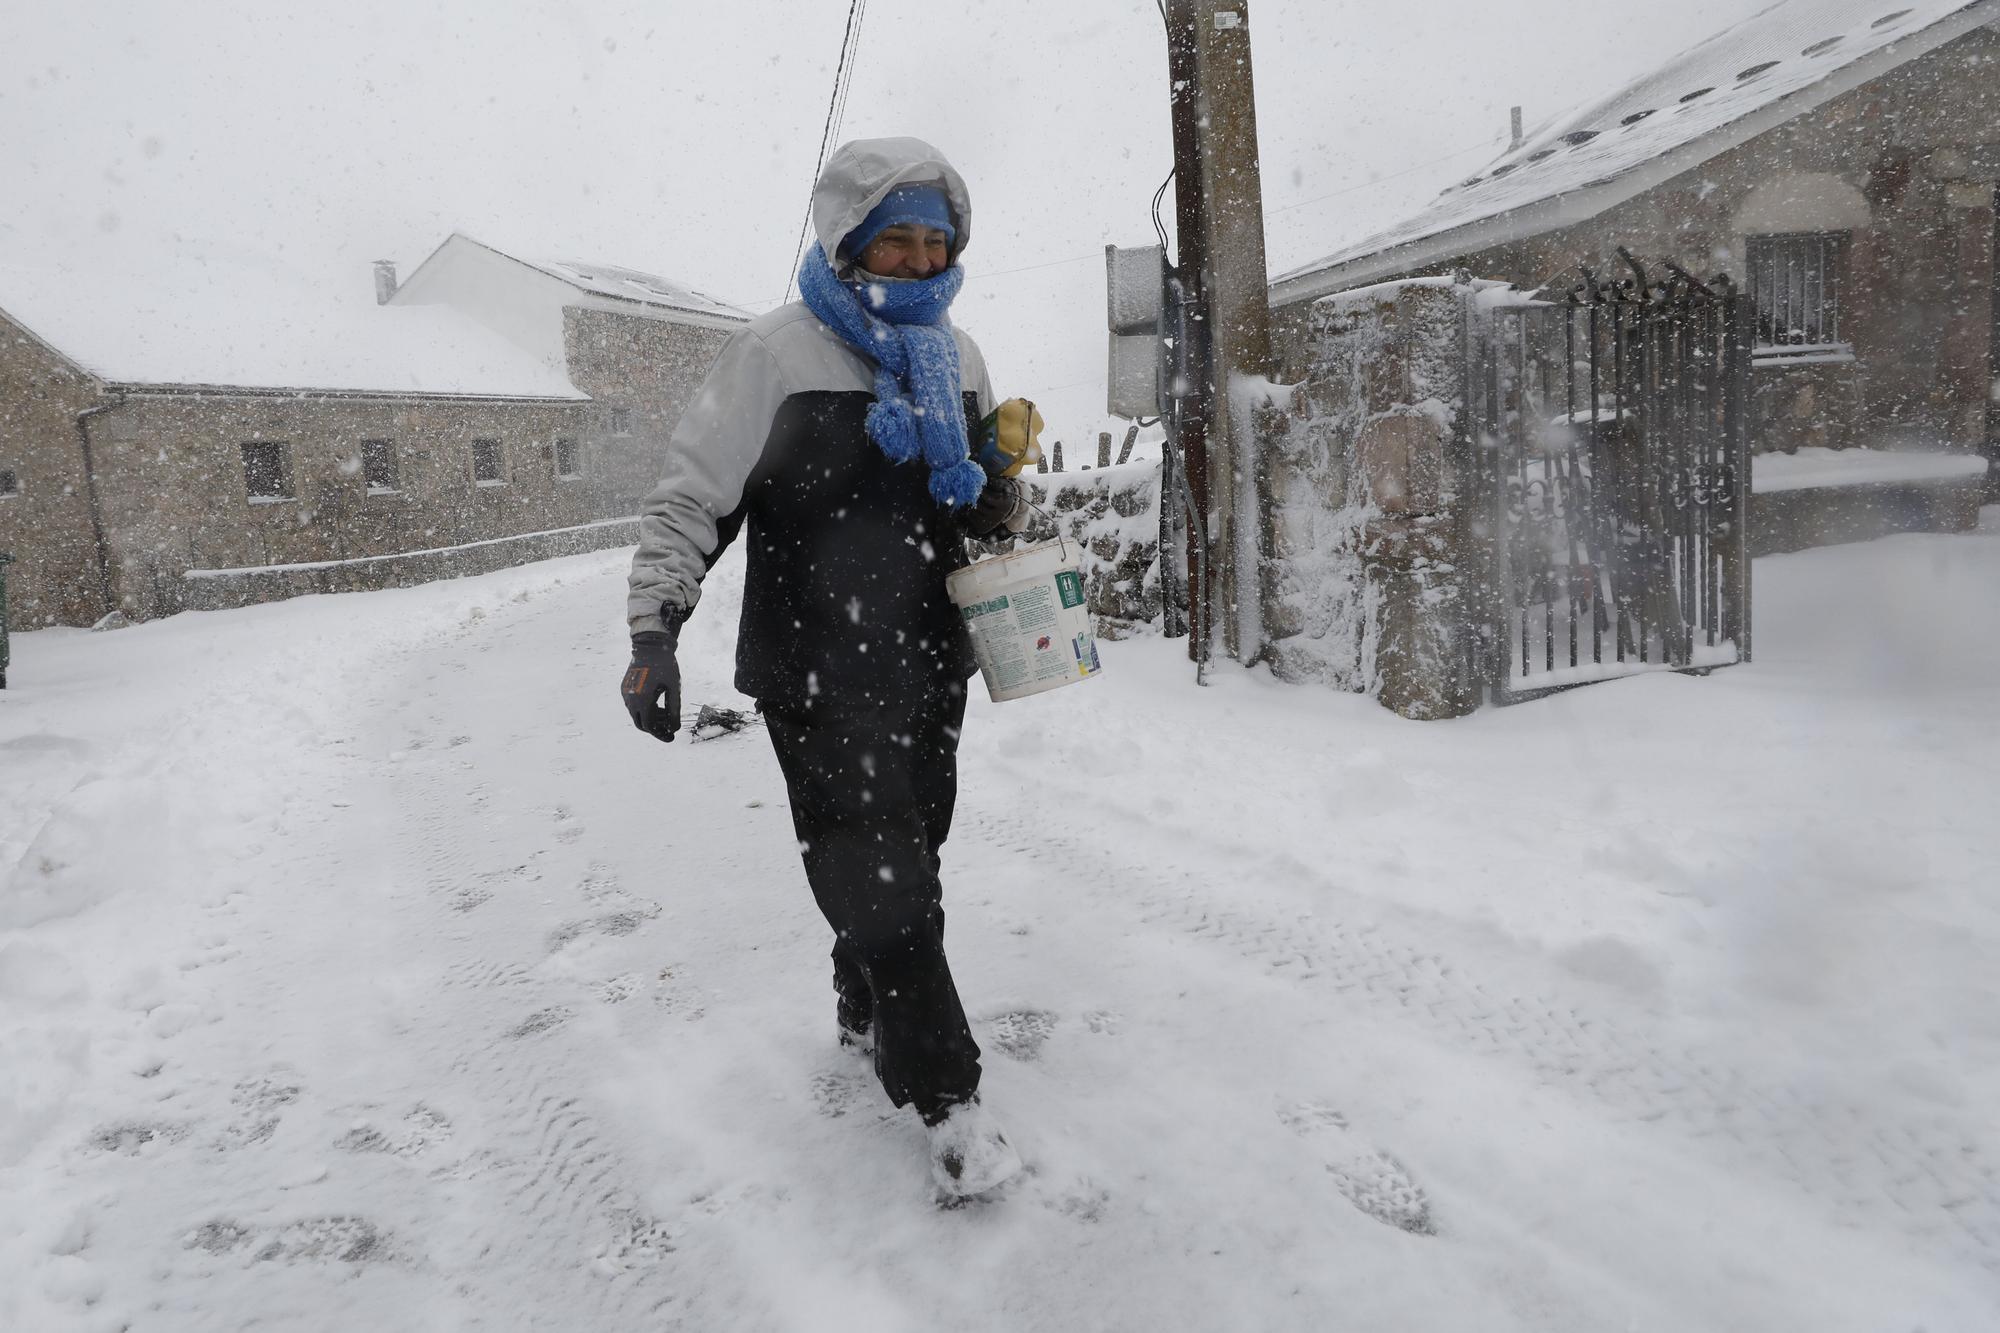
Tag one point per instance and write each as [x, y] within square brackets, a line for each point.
[1113, 513]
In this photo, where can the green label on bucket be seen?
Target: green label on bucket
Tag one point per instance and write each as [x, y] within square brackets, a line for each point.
[986, 608]
[1069, 584]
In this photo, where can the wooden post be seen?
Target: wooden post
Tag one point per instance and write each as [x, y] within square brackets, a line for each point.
[1104, 448]
[1219, 211]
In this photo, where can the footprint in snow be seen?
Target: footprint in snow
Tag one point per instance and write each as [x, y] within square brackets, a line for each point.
[258, 1102]
[421, 1128]
[542, 1020]
[626, 921]
[835, 1094]
[130, 1138]
[1022, 1032]
[618, 989]
[1370, 1179]
[348, 1240]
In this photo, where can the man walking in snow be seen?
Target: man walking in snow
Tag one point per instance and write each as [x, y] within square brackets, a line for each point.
[834, 432]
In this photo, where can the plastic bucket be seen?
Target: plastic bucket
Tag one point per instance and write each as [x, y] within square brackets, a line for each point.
[1031, 630]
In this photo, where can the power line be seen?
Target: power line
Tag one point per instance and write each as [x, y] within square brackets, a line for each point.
[836, 112]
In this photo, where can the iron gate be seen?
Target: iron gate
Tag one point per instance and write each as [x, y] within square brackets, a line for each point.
[1607, 436]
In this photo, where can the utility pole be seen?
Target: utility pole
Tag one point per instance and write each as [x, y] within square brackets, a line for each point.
[1219, 214]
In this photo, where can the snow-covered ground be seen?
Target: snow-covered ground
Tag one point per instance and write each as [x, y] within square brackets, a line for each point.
[362, 968]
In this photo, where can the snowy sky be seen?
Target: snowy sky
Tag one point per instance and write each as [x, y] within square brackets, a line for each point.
[221, 135]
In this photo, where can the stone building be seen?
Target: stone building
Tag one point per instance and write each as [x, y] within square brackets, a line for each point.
[1837, 159]
[224, 443]
[1501, 475]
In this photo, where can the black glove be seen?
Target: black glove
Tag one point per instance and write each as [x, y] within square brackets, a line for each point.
[994, 507]
[652, 685]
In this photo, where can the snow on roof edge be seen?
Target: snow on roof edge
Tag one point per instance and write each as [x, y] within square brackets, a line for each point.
[73, 362]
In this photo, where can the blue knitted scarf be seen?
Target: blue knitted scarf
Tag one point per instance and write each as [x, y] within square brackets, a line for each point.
[901, 327]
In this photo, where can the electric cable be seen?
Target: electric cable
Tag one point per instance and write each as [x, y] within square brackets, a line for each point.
[835, 112]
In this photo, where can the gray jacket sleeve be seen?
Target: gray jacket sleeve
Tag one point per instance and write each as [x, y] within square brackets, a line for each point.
[710, 456]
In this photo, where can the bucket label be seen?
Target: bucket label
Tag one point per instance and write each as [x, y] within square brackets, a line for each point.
[1032, 632]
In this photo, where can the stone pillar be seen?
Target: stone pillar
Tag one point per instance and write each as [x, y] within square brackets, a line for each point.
[1368, 586]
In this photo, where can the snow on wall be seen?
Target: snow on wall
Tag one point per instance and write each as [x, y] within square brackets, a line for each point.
[1114, 514]
[1383, 351]
[1814, 467]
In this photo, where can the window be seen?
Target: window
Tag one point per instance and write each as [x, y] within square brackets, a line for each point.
[266, 479]
[378, 466]
[621, 421]
[1795, 284]
[486, 467]
[10, 484]
[566, 462]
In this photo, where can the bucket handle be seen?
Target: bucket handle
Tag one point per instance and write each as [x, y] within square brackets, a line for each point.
[1062, 540]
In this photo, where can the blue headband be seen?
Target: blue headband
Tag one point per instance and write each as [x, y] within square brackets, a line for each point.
[924, 205]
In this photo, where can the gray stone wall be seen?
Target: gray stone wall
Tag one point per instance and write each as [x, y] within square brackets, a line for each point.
[217, 590]
[45, 524]
[172, 480]
[1113, 515]
[646, 368]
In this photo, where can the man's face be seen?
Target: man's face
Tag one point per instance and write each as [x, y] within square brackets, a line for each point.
[906, 250]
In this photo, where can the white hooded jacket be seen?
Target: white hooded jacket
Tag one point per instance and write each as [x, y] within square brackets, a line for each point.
[848, 552]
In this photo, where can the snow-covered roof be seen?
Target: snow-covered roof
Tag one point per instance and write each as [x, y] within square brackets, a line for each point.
[625, 284]
[227, 318]
[1781, 62]
[462, 263]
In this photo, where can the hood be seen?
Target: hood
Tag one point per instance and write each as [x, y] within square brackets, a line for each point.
[862, 171]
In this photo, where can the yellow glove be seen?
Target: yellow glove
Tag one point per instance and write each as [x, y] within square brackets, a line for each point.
[1009, 438]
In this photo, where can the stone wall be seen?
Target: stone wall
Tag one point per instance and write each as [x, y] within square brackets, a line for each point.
[1113, 514]
[45, 523]
[172, 494]
[647, 368]
[215, 590]
[172, 480]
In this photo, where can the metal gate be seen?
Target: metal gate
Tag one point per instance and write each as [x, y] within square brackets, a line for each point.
[1606, 433]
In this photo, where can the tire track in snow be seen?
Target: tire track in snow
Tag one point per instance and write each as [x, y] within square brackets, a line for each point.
[558, 1235]
[1932, 1179]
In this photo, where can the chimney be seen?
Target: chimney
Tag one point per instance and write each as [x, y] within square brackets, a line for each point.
[1514, 125]
[385, 280]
